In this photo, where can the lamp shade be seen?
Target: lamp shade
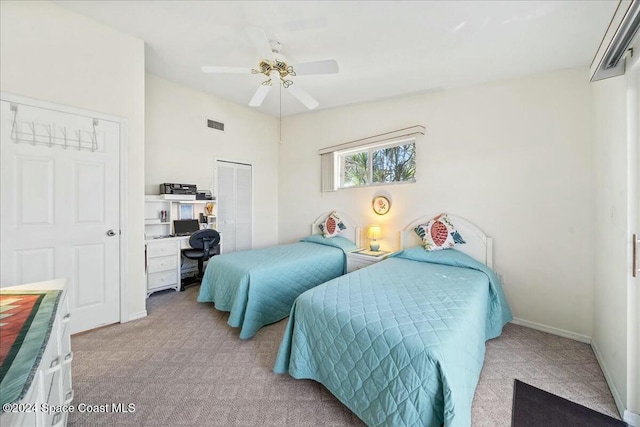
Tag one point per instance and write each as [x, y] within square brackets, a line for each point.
[374, 232]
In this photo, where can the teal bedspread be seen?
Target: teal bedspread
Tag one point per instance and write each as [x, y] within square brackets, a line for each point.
[258, 287]
[402, 342]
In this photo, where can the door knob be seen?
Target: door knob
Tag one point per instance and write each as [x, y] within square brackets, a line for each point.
[111, 233]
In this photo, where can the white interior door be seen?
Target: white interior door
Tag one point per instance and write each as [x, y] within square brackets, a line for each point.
[235, 205]
[60, 208]
[226, 206]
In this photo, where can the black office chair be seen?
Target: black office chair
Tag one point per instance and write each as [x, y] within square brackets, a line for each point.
[204, 245]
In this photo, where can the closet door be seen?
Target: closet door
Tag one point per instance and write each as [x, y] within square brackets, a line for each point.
[235, 205]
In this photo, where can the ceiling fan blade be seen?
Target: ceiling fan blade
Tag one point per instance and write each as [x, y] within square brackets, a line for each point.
[302, 96]
[261, 42]
[228, 70]
[318, 67]
[259, 96]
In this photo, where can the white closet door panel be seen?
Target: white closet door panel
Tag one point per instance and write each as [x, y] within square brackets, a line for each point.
[34, 265]
[226, 204]
[89, 195]
[244, 209]
[243, 236]
[235, 205]
[89, 271]
[228, 230]
[243, 193]
[34, 197]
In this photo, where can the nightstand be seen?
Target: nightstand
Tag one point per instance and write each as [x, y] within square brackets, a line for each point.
[363, 257]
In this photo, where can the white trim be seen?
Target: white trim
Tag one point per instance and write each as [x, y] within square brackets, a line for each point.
[631, 418]
[607, 376]
[138, 315]
[124, 229]
[552, 330]
[122, 124]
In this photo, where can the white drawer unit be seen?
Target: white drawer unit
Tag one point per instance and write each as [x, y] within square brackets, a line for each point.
[157, 281]
[163, 265]
[162, 248]
[50, 385]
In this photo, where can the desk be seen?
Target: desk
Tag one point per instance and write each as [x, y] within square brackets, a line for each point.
[163, 263]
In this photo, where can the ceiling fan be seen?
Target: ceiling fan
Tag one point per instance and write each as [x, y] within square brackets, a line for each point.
[274, 66]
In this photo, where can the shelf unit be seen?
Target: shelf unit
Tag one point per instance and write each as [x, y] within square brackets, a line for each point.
[164, 264]
[154, 225]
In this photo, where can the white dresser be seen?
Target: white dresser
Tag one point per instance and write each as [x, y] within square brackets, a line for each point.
[50, 389]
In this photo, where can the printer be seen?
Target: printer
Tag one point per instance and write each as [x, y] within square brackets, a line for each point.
[169, 188]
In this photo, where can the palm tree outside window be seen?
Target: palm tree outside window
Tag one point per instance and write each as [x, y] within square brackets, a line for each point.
[391, 163]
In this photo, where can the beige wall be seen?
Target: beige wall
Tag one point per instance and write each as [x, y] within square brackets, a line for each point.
[514, 157]
[180, 148]
[52, 54]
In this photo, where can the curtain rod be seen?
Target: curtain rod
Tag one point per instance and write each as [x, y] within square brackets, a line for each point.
[386, 136]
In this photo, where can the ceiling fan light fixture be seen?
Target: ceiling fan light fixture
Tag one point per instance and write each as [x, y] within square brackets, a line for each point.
[274, 66]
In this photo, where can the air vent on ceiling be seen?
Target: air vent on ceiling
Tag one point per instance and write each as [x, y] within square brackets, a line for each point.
[215, 125]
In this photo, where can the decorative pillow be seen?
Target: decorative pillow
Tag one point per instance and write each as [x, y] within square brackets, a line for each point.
[332, 226]
[439, 233]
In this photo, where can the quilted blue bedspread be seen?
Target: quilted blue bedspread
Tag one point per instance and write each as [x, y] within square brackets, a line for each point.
[401, 342]
[258, 287]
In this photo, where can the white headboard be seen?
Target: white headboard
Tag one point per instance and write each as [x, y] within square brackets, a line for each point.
[352, 232]
[478, 246]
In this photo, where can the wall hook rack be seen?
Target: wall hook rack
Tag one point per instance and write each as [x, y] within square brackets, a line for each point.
[48, 136]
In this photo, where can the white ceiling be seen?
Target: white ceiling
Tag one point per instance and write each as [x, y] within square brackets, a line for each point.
[384, 49]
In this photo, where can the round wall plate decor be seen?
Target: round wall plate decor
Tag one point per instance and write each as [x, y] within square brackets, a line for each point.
[381, 205]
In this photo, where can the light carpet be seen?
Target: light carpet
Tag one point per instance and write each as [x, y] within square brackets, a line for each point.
[183, 365]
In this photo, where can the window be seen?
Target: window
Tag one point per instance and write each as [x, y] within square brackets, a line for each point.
[377, 164]
[386, 158]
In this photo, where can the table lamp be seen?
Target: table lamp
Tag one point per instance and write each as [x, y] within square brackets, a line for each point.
[374, 235]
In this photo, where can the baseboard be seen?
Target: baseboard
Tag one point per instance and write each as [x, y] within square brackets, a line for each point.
[607, 376]
[631, 419]
[550, 329]
[138, 315]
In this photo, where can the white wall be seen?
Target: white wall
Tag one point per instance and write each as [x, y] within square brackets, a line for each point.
[181, 149]
[52, 54]
[514, 157]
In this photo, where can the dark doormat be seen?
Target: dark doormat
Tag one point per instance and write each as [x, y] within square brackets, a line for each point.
[533, 407]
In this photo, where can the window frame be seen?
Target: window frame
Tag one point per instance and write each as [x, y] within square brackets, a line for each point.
[370, 149]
